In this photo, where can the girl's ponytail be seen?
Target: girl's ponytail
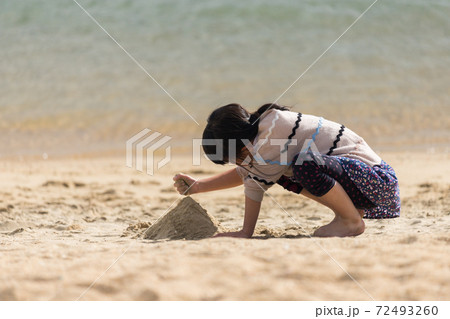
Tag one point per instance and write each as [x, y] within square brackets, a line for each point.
[255, 116]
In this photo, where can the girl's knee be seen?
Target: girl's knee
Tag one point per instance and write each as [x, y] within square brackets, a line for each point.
[313, 179]
[306, 170]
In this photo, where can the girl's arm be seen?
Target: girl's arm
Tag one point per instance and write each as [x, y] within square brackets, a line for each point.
[188, 185]
[251, 215]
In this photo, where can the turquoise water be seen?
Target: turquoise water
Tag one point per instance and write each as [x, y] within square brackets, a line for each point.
[66, 87]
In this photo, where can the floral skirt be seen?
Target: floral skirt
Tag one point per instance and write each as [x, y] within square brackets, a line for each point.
[378, 184]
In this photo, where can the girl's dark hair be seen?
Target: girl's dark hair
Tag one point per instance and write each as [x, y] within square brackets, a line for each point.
[232, 122]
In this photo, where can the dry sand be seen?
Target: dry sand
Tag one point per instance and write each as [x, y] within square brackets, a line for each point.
[63, 222]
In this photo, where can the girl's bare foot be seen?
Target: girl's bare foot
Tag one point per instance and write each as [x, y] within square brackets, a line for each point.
[348, 219]
[340, 227]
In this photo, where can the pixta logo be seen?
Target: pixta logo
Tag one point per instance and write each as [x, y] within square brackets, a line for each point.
[142, 145]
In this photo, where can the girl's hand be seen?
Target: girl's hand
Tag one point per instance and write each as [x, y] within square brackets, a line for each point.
[235, 234]
[185, 184]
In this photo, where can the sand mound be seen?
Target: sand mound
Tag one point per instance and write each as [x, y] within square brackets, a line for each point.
[188, 220]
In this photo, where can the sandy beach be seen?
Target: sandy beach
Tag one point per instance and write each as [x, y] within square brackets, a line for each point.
[81, 78]
[71, 229]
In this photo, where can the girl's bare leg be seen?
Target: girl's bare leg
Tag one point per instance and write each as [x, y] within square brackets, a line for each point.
[347, 221]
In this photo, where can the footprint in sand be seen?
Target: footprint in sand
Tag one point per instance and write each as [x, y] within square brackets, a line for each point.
[200, 171]
[169, 189]
[72, 227]
[5, 208]
[63, 184]
[9, 227]
[408, 240]
[445, 239]
[147, 295]
[136, 182]
[108, 195]
[8, 294]
[108, 192]
[167, 199]
[89, 219]
[18, 230]
[426, 185]
[56, 184]
[136, 228]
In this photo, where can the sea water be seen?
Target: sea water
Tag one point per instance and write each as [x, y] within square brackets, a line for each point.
[67, 88]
